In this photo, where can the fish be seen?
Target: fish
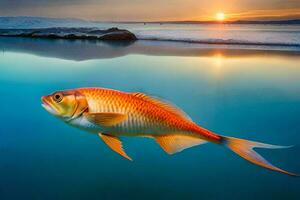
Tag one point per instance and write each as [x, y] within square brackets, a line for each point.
[113, 114]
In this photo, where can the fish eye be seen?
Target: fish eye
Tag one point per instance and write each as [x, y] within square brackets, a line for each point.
[57, 97]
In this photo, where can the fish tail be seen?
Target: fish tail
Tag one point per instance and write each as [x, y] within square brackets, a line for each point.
[244, 148]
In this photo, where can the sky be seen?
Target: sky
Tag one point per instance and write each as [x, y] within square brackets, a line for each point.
[153, 10]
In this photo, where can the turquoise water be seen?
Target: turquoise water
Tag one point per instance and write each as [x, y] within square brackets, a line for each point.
[251, 96]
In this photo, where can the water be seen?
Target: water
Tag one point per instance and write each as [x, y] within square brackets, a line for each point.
[220, 33]
[236, 34]
[248, 94]
[247, 34]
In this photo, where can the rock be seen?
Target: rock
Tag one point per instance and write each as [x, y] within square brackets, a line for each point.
[114, 33]
[118, 35]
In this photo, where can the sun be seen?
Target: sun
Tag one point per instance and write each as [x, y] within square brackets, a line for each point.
[220, 16]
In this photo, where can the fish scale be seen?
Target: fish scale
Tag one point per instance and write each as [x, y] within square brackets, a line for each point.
[137, 112]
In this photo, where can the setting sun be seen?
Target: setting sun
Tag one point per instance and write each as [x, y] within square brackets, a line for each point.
[220, 16]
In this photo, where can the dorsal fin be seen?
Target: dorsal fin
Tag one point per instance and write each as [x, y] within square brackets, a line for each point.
[163, 104]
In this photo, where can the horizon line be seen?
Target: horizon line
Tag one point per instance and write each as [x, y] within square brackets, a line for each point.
[163, 21]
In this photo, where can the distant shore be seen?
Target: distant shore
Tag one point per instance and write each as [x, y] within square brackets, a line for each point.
[271, 22]
[17, 21]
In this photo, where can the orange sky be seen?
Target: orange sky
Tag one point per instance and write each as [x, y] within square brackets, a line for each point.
[154, 10]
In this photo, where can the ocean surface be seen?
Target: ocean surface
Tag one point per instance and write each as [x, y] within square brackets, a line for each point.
[247, 93]
[280, 35]
[255, 34]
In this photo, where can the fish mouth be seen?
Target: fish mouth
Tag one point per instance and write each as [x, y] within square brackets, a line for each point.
[47, 106]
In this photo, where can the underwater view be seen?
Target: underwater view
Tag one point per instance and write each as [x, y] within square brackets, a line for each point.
[250, 93]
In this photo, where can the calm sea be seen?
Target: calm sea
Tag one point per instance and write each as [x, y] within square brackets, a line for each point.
[248, 94]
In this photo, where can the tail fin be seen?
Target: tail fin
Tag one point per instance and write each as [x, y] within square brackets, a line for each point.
[244, 148]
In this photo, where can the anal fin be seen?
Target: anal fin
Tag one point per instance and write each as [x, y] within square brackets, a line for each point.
[173, 143]
[115, 144]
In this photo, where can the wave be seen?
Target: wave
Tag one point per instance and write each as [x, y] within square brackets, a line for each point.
[221, 41]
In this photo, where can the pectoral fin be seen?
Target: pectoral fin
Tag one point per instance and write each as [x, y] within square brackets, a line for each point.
[106, 119]
[173, 143]
[115, 144]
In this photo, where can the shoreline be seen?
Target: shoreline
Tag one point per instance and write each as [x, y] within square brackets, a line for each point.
[80, 50]
[128, 36]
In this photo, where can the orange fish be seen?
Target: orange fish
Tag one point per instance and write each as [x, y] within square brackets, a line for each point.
[112, 113]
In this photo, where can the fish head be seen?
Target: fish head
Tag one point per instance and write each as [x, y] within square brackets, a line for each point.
[66, 105]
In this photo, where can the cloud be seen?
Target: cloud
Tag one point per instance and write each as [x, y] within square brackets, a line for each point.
[151, 10]
[266, 14]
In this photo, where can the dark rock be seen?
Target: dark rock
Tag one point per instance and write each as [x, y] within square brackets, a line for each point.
[114, 33]
[120, 35]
